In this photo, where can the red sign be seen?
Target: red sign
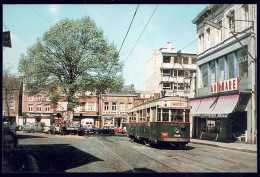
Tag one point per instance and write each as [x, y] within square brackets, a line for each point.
[226, 85]
[165, 134]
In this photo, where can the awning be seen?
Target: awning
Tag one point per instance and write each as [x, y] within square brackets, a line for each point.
[218, 106]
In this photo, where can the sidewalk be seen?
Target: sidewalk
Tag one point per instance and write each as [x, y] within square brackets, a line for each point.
[240, 146]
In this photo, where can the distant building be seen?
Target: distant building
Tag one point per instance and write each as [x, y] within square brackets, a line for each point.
[171, 73]
[225, 103]
[115, 106]
[37, 108]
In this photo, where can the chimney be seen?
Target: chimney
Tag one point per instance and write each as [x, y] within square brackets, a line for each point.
[169, 47]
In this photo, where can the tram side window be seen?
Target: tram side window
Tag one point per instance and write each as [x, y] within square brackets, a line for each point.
[159, 115]
[187, 115]
[177, 115]
[165, 115]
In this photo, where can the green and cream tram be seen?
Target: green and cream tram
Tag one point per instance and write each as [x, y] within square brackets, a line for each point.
[163, 120]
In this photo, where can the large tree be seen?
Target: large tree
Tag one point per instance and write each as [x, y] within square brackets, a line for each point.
[75, 56]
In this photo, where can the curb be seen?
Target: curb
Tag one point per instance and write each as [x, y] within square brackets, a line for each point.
[214, 145]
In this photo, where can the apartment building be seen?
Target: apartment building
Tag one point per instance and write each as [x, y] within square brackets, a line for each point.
[115, 106]
[225, 103]
[37, 108]
[171, 73]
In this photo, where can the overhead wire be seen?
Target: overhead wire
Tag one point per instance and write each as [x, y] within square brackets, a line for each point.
[142, 32]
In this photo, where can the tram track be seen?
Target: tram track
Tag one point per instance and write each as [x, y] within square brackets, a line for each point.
[148, 156]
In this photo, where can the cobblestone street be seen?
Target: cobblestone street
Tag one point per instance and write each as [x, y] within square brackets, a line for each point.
[115, 153]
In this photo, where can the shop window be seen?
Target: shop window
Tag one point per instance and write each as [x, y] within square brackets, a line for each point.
[221, 69]
[166, 59]
[185, 60]
[212, 72]
[212, 126]
[204, 74]
[242, 63]
[230, 66]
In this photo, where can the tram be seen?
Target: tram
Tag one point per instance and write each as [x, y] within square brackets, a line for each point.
[160, 121]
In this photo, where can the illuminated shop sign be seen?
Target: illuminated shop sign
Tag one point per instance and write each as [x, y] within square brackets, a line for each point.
[226, 85]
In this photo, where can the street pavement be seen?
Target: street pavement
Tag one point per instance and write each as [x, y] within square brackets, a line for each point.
[240, 146]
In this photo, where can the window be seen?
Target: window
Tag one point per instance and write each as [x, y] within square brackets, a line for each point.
[187, 115]
[208, 38]
[165, 115]
[212, 72]
[185, 60]
[246, 15]
[12, 95]
[129, 106]
[78, 108]
[47, 108]
[106, 106]
[39, 98]
[166, 86]
[242, 63]
[30, 98]
[113, 106]
[30, 108]
[166, 59]
[176, 60]
[177, 115]
[231, 66]
[181, 73]
[193, 60]
[201, 42]
[91, 106]
[12, 106]
[122, 107]
[159, 114]
[47, 98]
[204, 74]
[221, 69]
[39, 108]
[181, 86]
[175, 73]
[167, 72]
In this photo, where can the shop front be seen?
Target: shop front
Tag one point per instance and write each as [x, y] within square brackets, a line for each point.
[47, 118]
[220, 117]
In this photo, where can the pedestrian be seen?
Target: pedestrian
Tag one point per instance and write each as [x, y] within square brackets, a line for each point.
[13, 161]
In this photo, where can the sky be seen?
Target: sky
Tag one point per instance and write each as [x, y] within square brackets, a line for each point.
[153, 26]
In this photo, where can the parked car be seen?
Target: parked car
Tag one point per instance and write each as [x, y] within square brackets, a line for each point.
[119, 130]
[88, 130]
[34, 127]
[107, 130]
[47, 129]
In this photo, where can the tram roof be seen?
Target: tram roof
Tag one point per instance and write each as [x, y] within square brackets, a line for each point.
[179, 101]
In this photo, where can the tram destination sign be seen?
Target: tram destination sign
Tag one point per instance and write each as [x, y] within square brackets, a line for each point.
[226, 85]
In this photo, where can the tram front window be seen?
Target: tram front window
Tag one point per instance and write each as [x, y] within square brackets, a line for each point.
[165, 115]
[176, 115]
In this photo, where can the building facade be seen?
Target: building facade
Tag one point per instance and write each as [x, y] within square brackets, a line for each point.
[225, 103]
[171, 73]
[37, 108]
[115, 106]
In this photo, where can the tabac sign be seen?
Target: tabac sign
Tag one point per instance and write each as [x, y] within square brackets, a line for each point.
[226, 85]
